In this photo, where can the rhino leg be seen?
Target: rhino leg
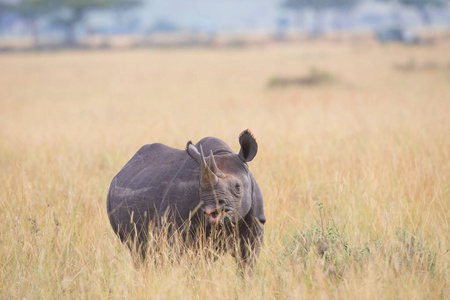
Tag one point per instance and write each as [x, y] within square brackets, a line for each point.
[251, 237]
[138, 249]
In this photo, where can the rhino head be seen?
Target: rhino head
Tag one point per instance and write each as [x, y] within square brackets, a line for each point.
[226, 187]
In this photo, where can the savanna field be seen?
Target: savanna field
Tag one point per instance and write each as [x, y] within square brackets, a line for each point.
[354, 169]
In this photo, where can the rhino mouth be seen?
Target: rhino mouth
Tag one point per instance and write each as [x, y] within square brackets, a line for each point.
[217, 216]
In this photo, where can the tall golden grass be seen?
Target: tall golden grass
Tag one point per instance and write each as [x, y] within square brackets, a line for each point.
[355, 173]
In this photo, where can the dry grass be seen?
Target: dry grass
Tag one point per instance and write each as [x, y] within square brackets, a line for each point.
[369, 155]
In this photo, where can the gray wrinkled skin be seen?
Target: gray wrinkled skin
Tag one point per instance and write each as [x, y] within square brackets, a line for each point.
[160, 181]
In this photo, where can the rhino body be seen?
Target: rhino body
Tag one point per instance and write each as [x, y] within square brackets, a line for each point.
[160, 181]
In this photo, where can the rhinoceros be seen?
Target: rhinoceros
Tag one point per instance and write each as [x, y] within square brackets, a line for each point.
[187, 187]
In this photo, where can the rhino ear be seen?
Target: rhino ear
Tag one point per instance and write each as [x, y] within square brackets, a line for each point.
[193, 152]
[249, 147]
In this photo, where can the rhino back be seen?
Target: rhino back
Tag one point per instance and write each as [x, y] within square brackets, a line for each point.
[136, 192]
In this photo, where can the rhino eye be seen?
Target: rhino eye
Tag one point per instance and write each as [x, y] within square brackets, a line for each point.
[237, 187]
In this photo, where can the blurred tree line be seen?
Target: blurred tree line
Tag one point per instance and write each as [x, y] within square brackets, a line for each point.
[66, 14]
[421, 6]
[319, 7]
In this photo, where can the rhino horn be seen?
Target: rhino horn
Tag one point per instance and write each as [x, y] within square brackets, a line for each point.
[208, 179]
[213, 166]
